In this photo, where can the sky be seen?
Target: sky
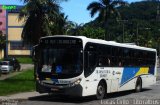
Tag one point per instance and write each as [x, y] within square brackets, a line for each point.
[74, 9]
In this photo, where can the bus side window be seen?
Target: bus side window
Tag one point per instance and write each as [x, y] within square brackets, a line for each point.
[108, 61]
[92, 56]
[104, 61]
[90, 62]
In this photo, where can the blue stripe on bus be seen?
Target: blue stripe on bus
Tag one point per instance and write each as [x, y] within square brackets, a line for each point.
[128, 73]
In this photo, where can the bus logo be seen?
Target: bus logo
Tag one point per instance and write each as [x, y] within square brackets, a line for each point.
[58, 69]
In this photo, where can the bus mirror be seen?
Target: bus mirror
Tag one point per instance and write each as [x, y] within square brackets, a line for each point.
[34, 53]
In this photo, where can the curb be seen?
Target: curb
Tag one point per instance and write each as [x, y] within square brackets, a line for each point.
[11, 98]
[20, 96]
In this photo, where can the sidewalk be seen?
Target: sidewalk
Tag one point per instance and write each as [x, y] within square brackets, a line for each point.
[21, 96]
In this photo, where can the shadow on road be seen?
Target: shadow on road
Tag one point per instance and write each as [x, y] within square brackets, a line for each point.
[68, 99]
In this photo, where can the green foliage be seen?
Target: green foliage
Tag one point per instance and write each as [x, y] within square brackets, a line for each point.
[24, 60]
[142, 16]
[144, 10]
[139, 24]
[23, 82]
[105, 9]
[90, 32]
[42, 18]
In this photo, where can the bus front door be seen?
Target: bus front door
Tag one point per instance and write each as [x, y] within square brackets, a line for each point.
[115, 79]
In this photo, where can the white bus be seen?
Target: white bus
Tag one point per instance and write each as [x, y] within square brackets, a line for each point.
[80, 66]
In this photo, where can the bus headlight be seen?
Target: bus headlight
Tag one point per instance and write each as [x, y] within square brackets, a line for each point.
[77, 82]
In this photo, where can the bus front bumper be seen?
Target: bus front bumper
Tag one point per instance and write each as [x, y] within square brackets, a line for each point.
[59, 90]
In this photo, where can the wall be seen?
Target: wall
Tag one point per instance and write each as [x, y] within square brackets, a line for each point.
[15, 28]
[2, 26]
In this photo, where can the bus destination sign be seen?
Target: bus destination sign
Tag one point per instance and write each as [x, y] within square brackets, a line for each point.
[60, 41]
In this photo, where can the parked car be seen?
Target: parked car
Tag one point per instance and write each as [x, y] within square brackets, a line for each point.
[13, 62]
[0, 71]
[6, 66]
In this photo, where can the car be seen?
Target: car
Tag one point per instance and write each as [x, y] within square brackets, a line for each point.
[6, 66]
[15, 63]
[0, 72]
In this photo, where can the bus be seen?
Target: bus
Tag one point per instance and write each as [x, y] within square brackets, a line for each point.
[81, 66]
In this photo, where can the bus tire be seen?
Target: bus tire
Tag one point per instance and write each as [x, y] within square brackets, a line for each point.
[101, 90]
[138, 87]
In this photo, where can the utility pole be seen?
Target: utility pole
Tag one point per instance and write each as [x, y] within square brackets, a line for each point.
[148, 30]
[158, 11]
[158, 19]
[123, 23]
[123, 34]
[137, 32]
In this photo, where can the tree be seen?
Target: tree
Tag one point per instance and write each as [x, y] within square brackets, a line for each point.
[59, 27]
[105, 9]
[3, 42]
[69, 27]
[72, 28]
[91, 32]
[40, 17]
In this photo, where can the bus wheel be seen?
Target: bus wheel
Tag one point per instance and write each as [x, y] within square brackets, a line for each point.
[101, 91]
[138, 87]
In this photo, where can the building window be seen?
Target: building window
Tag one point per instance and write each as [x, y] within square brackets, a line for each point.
[18, 45]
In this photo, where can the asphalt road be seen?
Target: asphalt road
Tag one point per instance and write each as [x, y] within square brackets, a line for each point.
[149, 96]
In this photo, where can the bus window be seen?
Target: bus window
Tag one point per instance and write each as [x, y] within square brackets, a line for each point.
[104, 61]
[90, 62]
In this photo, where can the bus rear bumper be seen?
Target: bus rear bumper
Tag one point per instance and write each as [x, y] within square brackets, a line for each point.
[70, 91]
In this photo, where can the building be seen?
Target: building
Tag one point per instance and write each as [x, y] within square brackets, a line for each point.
[13, 30]
[3, 20]
[2, 27]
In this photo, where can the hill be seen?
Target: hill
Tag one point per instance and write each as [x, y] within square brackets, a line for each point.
[139, 23]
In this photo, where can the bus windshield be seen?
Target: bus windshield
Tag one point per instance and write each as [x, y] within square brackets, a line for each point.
[62, 60]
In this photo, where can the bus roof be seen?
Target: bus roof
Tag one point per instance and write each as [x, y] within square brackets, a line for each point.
[100, 41]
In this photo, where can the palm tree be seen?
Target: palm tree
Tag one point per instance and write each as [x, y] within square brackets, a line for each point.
[73, 28]
[70, 27]
[61, 25]
[40, 16]
[105, 9]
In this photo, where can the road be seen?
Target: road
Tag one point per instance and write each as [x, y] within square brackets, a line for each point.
[148, 96]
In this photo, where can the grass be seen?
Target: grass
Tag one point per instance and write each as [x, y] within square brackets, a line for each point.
[23, 82]
[25, 60]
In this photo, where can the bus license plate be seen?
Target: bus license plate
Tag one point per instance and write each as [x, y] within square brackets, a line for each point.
[54, 89]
